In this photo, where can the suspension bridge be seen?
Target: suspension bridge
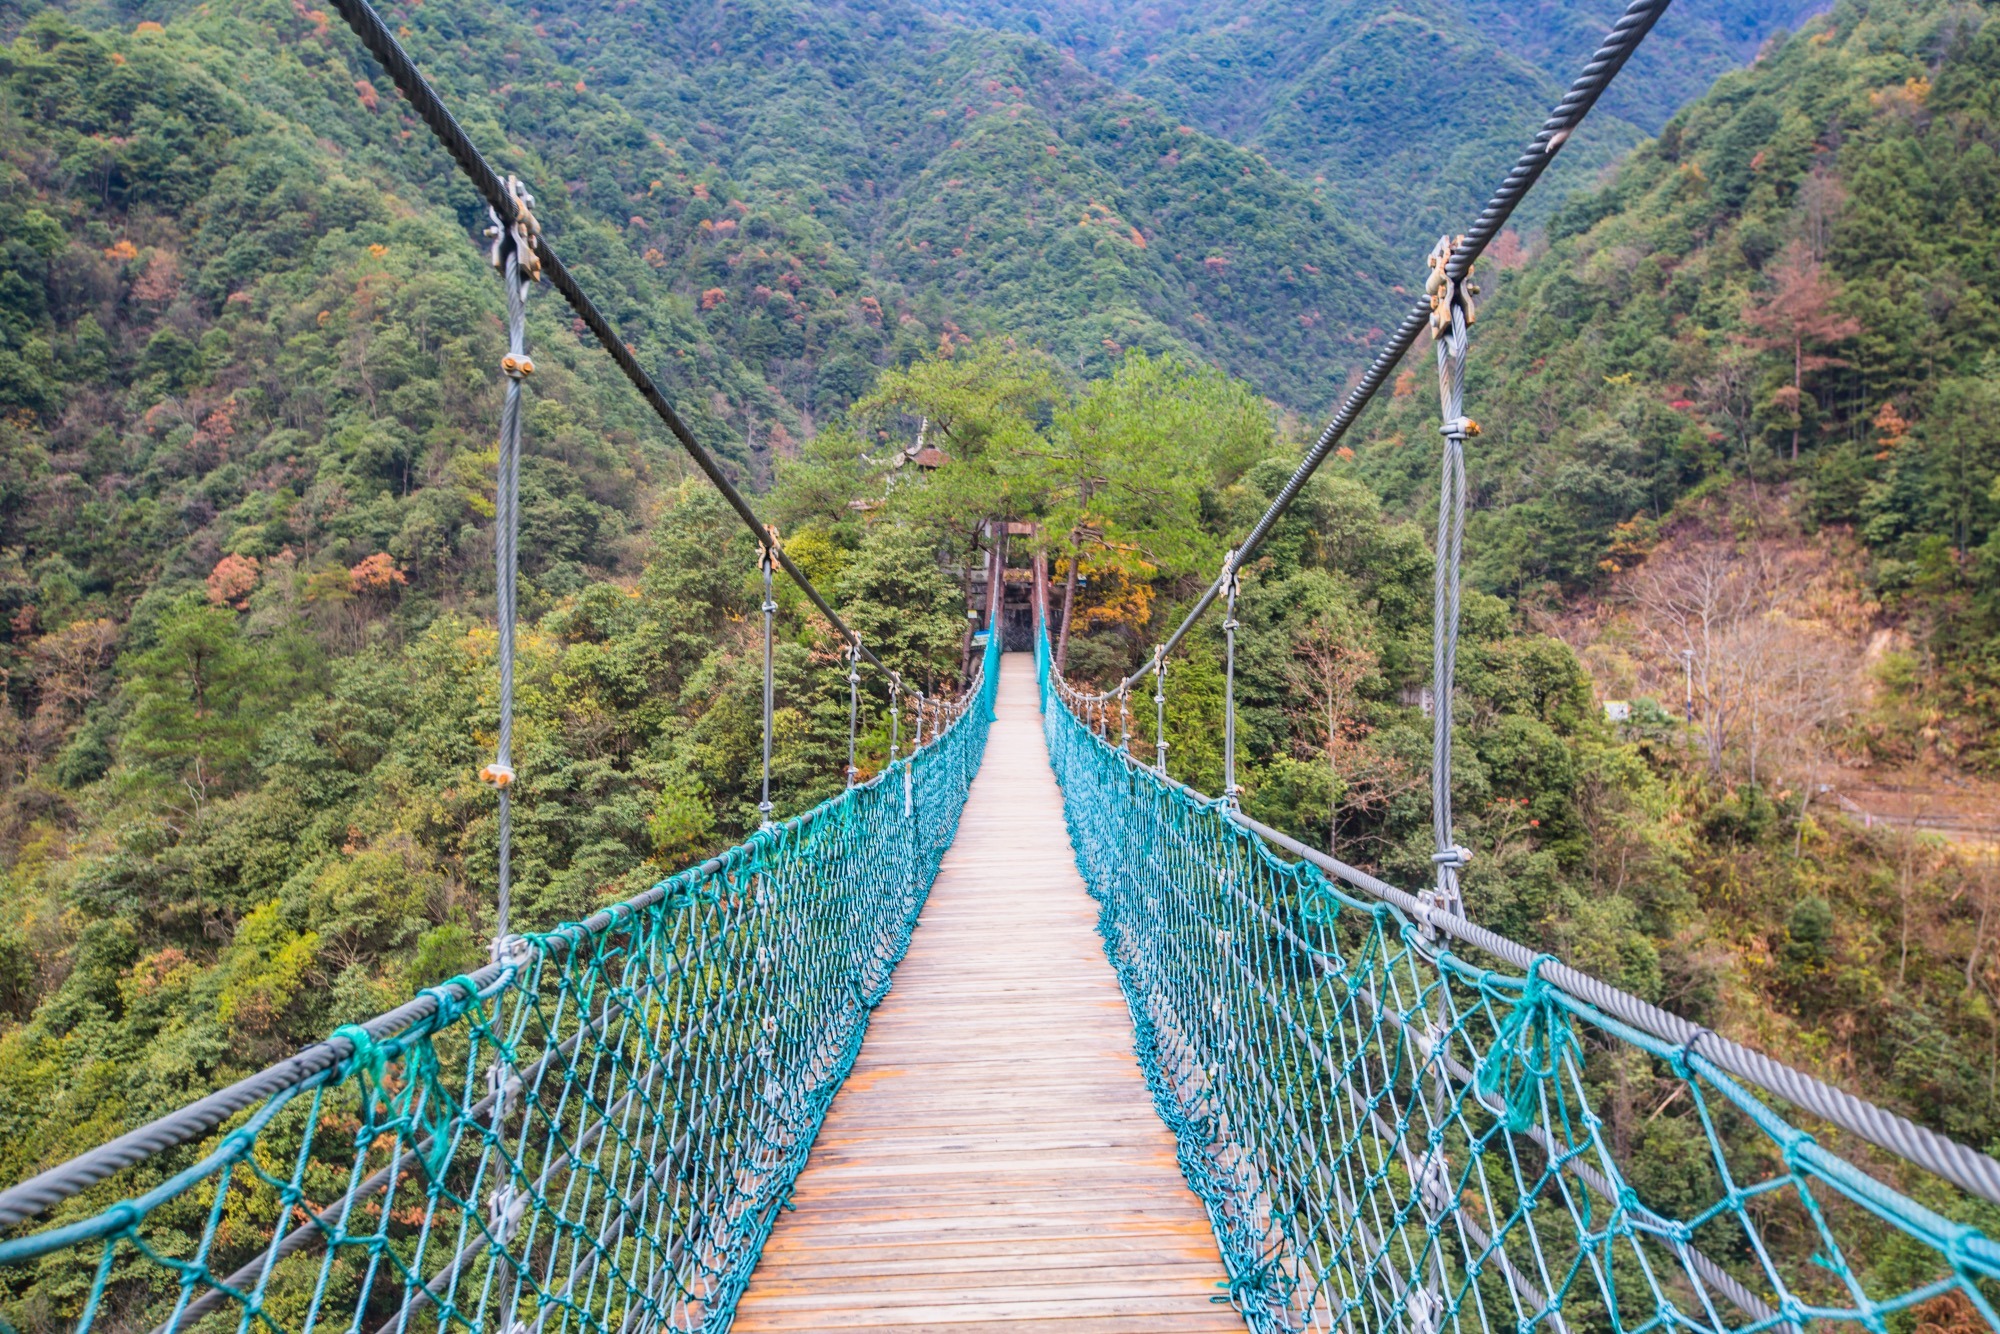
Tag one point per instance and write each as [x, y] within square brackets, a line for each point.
[1020, 1033]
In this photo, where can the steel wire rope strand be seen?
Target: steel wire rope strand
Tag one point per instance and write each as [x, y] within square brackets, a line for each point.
[412, 1019]
[50, 1188]
[1611, 55]
[389, 53]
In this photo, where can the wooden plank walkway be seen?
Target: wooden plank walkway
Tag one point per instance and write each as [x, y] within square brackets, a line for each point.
[994, 1162]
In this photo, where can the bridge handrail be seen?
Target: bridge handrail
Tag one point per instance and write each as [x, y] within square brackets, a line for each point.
[1964, 1167]
[888, 833]
[1146, 839]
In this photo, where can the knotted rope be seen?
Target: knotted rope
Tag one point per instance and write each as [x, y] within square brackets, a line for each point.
[1527, 1052]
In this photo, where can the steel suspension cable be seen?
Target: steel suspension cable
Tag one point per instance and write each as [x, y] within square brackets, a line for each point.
[1450, 319]
[1159, 711]
[769, 607]
[853, 708]
[1964, 1167]
[423, 99]
[1611, 55]
[518, 269]
[1230, 792]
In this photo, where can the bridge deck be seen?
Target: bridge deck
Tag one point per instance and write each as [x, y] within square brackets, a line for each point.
[994, 1162]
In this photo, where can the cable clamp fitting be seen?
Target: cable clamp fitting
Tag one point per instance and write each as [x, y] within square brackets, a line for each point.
[504, 1209]
[522, 235]
[500, 775]
[1464, 428]
[1458, 858]
[517, 367]
[1446, 292]
[503, 1084]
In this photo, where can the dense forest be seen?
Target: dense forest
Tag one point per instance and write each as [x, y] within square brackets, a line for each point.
[1317, 87]
[1739, 472]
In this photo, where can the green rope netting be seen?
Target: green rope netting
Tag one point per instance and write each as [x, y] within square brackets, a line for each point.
[596, 1139]
[1389, 1135]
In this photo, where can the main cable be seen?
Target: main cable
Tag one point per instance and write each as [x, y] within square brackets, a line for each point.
[389, 53]
[1611, 56]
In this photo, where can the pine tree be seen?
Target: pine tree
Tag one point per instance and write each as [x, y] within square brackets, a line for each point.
[1798, 313]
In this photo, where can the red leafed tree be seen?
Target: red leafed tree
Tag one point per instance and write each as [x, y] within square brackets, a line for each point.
[376, 574]
[1795, 316]
[231, 581]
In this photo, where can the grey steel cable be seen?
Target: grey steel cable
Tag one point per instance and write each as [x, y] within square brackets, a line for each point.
[506, 537]
[50, 1188]
[1448, 857]
[1159, 711]
[853, 707]
[1229, 628]
[770, 609]
[44, 1191]
[1610, 57]
[396, 62]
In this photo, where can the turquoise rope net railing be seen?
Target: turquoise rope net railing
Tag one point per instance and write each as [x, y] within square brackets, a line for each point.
[593, 1134]
[1391, 1134]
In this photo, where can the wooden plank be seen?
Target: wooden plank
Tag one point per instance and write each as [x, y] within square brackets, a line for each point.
[995, 1163]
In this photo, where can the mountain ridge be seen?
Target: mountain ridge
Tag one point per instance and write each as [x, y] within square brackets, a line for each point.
[1464, 85]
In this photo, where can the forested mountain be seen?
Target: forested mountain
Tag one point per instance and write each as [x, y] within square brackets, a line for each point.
[1793, 285]
[982, 175]
[248, 365]
[1740, 441]
[1404, 112]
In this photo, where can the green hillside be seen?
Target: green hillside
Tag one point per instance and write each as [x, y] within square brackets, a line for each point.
[250, 349]
[1844, 191]
[1406, 114]
[1802, 261]
[997, 186]
[249, 387]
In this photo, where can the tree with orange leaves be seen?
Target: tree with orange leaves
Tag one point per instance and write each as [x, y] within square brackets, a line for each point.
[1797, 315]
